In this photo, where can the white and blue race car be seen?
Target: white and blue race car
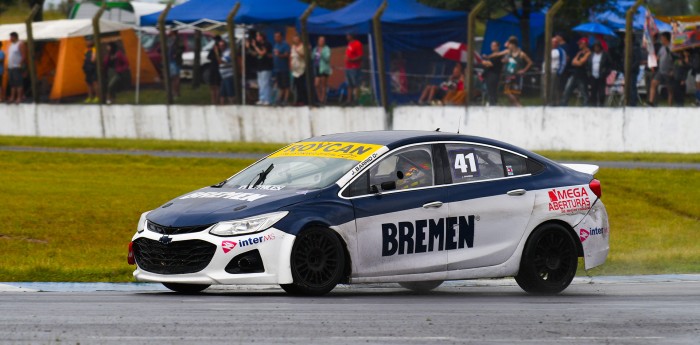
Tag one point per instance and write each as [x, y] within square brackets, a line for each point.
[411, 207]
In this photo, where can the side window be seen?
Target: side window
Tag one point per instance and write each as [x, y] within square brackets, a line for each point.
[473, 163]
[411, 167]
[358, 187]
[515, 165]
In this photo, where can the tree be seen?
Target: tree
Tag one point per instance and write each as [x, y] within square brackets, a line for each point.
[39, 16]
[5, 4]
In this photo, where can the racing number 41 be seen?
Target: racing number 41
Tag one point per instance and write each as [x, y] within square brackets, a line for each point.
[461, 163]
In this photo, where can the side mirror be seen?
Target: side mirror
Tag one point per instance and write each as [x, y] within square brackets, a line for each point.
[377, 189]
[389, 185]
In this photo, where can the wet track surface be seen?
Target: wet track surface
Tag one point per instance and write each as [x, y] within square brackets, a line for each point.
[649, 312]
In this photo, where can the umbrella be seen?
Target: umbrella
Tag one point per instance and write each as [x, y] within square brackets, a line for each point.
[594, 28]
[455, 51]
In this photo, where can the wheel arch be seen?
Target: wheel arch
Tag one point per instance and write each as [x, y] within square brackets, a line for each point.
[565, 225]
[347, 270]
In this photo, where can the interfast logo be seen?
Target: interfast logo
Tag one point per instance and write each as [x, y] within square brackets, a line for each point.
[583, 235]
[228, 246]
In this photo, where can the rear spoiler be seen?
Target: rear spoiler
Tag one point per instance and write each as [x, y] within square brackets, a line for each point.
[584, 168]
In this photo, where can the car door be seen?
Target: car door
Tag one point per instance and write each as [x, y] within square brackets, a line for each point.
[489, 202]
[399, 210]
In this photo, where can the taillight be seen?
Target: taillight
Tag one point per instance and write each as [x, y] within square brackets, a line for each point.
[595, 187]
[130, 258]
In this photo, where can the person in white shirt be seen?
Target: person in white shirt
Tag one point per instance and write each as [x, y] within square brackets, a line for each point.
[15, 62]
[557, 68]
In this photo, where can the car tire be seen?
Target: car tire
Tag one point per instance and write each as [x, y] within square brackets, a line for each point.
[549, 261]
[186, 288]
[317, 262]
[424, 286]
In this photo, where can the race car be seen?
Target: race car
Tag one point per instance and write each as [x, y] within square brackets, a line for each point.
[411, 207]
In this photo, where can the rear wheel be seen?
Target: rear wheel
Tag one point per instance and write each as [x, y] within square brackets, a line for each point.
[186, 288]
[317, 262]
[421, 286]
[549, 261]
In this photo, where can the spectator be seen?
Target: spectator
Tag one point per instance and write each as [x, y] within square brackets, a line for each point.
[681, 67]
[17, 55]
[2, 71]
[579, 77]
[281, 68]
[695, 65]
[322, 68]
[251, 68]
[434, 94]
[664, 71]
[599, 66]
[492, 72]
[558, 67]
[516, 64]
[636, 64]
[214, 57]
[263, 52]
[227, 93]
[298, 66]
[90, 70]
[175, 50]
[117, 71]
[353, 62]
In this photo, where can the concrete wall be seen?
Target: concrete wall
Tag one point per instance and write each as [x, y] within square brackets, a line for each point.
[536, 128]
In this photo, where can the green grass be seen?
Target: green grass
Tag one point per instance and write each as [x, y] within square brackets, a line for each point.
[69, 217]
[20, 12]
[156, 95]
[171, 145]
[139, 144]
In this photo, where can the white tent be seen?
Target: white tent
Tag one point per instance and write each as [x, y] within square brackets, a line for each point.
[57, 29]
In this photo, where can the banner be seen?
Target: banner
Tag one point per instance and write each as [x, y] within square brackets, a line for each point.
[650, 31]
[685, 35]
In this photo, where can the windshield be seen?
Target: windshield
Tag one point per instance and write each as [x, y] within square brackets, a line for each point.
[304, 165]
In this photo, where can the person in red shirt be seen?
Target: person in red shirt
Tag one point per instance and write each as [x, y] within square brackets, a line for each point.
[353, 62]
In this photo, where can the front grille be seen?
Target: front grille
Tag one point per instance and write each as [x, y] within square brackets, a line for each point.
[176, 257]
[169, 230]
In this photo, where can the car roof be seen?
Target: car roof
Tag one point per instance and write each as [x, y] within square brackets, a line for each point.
[393, 139]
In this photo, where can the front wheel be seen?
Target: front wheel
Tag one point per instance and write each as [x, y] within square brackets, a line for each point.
[186, 288]
[317, 262]
[549, 261]
[421, 286]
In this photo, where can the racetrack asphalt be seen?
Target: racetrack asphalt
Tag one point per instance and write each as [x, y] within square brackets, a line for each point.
[606, 310]
[222, 155]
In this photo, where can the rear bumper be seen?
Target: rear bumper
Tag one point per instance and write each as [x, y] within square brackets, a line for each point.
[594, 234]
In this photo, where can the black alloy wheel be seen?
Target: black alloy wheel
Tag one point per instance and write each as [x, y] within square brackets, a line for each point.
[549, 261]
[317, 262]
[186, 288]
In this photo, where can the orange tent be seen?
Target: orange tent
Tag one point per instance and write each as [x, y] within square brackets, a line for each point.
[62, 46]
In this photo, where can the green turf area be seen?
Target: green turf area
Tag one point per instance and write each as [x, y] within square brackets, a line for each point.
[69, 217]
[173, 145]
[139, 144]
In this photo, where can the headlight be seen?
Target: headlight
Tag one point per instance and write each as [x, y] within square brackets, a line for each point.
[247, 225]
[142, 222]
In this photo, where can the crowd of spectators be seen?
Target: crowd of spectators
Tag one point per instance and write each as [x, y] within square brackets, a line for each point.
[584, 73]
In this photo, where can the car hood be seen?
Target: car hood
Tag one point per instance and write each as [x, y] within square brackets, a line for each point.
[212, 205]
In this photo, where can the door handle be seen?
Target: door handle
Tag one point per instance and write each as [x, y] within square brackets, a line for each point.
[434, 204]
[516, 192]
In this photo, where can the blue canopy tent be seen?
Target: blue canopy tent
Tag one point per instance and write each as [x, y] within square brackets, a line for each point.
[509, 25]
[615, 17]
[276, 12]
[410, 32]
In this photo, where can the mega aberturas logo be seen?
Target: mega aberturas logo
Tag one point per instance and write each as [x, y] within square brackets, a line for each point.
[427, 235]
[228, 246]
[569, 200]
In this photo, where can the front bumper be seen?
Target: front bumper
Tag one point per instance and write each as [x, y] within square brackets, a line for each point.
[274, 246]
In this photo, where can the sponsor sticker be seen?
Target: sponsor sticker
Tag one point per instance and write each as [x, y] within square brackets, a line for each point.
[344, 150]
[224, 195]
[584, 234]
[509, 170]
[569, 200]
[428, 235]
[228, 246]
